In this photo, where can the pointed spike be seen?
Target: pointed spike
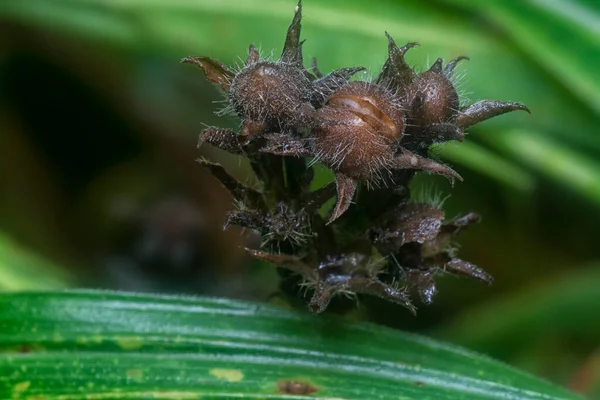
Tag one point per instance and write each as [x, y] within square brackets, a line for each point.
[215, 71]
[346, 73]
[443, 132]
[237, 190]
[408, 46]
[375, 287]
[485, 109]
[346, 187]
[225, 139]
[449, 69]
[432, 133]
[321, 298]
[393, 47]
[396, 72]
[253, 56]
[437, 66]
[460, 267]
[282, 145]
[251, 219]
[390, 39]
[340, 76]
[456, 225]
[315, 68]
[292, 49]
[286, 261]
[409, 160]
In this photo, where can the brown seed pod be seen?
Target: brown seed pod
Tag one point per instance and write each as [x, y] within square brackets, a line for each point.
[270, 93]
[432, 104]
[358, 132]
[432, 97]
[358, 135]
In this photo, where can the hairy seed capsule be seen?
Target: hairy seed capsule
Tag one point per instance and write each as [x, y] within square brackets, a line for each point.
[433, 99]
[269, 92]
[359, 129]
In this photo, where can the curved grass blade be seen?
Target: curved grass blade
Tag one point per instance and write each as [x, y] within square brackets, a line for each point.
[568, 167]
[89, 344]
[480, 159]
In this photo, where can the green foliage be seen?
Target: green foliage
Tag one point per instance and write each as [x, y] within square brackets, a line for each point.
[22, 270]
[88, 344]
[566, 305]
[570, 168]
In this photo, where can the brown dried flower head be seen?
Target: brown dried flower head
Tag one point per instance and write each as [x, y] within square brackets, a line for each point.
[374, 135]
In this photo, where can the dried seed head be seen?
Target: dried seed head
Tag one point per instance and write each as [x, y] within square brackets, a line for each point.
[270, 93]
[366, 133]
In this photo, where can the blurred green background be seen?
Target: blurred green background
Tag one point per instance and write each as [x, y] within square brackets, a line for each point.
[99, 188]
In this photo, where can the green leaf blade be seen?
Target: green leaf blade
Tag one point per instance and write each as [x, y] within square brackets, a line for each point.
[22, 270]
[106, 345]
[565, 166]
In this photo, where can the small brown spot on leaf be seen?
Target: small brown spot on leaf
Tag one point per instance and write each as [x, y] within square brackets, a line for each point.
[294, 386]
[134, 374]
[24, 348]
[419, 383]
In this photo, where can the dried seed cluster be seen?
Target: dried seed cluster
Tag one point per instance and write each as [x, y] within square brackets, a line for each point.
[374, 136]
